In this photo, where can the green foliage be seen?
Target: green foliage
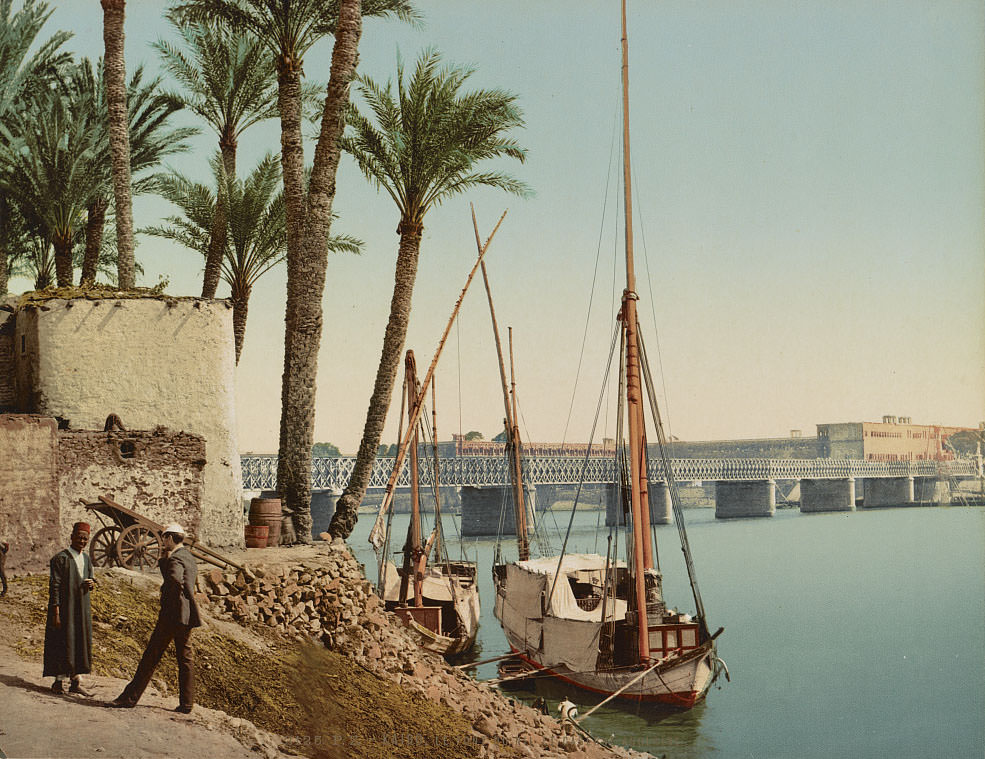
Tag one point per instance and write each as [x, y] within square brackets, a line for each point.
[287, 28]
[429, 136]
[387, 451]
[255, 213]
[474, 435]
[325, 451]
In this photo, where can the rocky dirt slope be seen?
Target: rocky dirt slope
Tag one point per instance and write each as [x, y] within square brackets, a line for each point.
[297, 657]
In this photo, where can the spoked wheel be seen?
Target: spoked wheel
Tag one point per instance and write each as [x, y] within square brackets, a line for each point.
[102, 547]
[138, 547]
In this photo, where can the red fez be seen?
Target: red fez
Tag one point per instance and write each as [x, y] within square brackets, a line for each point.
[81, 527]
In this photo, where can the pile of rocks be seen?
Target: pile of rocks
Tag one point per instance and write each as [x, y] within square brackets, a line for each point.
[325, 595]
[320, 597]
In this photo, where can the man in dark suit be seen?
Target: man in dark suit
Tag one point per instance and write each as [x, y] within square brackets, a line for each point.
[178, 616]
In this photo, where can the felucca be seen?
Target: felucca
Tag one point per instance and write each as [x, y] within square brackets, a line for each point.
[594, 621]
[439, 602]
[444, 609]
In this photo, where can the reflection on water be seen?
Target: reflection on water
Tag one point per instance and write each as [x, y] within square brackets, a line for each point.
[647, 727]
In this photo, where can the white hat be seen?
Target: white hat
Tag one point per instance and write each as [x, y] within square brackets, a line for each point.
[174, 528]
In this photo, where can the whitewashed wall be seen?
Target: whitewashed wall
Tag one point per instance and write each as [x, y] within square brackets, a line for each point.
[152, 361]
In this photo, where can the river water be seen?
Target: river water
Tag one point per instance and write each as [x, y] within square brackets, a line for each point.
[857, 634]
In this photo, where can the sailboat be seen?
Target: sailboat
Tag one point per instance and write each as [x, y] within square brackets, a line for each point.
[444, 611]
[438, 602]
[593, 621]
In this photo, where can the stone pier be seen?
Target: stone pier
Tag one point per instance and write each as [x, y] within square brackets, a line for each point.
[661, 505]
[322, 510]
[483, 506]
[931, 491]
[827, 495]
[748, 498]
[881, 492]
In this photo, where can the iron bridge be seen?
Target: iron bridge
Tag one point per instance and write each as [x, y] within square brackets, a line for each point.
[260, 471]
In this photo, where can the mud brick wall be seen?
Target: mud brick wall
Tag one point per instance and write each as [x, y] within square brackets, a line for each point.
[157, 474]
[152, 361]
[8, 369]
[29, 490]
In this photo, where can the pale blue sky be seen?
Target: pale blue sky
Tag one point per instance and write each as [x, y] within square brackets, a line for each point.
[810, 193]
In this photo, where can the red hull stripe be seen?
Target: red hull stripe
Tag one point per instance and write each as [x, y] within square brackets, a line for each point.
[684, 699]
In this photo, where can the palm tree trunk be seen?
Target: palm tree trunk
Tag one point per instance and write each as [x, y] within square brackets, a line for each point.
[241, 306]
[94, 239]
[219, 232]
[347, 507]
[4, 261]
[307, 259]
[114, 12]
[63, 259]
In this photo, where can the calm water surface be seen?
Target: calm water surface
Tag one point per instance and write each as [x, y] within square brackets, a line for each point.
[846, 634]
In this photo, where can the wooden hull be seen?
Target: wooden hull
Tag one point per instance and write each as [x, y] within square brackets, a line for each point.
[448, 623]
[441, 644]
[680, 683]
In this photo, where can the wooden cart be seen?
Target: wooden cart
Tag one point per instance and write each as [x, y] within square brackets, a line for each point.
[129, 539]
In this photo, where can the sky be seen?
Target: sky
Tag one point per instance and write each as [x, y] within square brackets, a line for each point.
[809, 188]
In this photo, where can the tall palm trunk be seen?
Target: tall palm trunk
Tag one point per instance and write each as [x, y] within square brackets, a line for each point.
[4, 252]
[347, 507]
[63, 258]
[95, 223]
[219, 232]
[307, 258]
[241, 306]
[114, 12]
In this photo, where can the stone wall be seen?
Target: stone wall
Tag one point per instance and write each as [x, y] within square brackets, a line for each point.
[8, 370]
[157, 474]
[152, 361]
[29, 490]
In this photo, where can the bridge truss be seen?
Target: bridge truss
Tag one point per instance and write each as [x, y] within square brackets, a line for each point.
[260, 471]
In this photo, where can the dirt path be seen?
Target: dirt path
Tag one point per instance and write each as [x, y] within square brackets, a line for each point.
[34, 722]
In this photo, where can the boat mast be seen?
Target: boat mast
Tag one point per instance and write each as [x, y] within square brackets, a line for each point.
[413, 551]
[642, 549]
[509, 421]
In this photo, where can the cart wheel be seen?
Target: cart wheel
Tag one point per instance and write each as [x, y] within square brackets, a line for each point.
[102, 547]
[138, 547]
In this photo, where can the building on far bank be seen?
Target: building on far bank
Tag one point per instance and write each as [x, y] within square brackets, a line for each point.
[895, 438]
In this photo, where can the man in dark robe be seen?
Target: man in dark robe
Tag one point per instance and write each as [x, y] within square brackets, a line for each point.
[176, 620]
[68, 632]
[4, 547]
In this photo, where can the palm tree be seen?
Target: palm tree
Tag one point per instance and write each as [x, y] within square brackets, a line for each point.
[230, 82]
[114, 13]
[20, 76]
[289, 28]
[152, 138]
[256, 235]
[52, 172]
[429, 139]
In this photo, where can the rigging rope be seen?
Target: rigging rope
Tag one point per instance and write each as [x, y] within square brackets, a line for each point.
[584, 465]
[591, 296]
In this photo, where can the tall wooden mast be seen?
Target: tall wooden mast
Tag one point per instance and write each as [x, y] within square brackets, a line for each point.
[642, 549]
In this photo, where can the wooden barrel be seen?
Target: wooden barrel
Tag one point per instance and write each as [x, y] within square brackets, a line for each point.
[256, 536]
[267, 512]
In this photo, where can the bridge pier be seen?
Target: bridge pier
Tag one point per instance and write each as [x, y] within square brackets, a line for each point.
[661, 505]
[322, 509]
[881, 492]
[747, 498]
[827, 495]
[931, 490]
[482, 506]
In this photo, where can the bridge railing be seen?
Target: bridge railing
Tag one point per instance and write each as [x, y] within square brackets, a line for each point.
[260, 471]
